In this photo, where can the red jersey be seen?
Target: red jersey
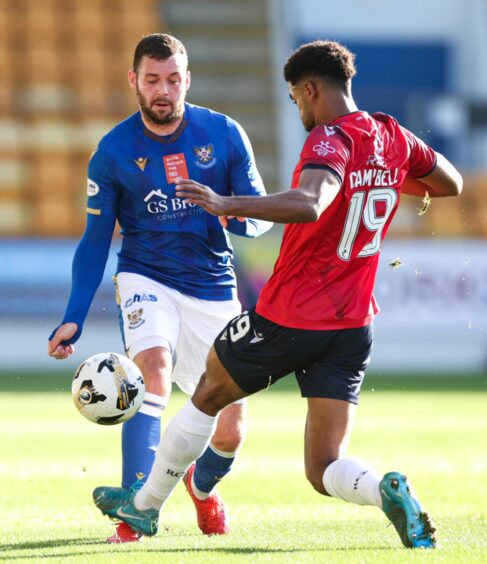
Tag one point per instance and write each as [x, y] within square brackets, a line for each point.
[325, 273]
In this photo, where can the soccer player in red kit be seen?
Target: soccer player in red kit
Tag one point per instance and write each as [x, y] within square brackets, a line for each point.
[314, 316]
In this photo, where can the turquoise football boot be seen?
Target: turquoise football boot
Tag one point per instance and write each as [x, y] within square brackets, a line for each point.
[404, 511]
[118, 503]
[123, 531]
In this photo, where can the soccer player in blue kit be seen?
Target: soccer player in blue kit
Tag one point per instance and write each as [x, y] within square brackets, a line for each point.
[175, 283]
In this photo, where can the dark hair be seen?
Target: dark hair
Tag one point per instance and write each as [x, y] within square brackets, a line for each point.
[326, 60]
[157, 46]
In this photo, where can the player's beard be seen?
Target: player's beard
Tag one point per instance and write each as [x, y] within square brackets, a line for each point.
[152, 116]
[308, 121]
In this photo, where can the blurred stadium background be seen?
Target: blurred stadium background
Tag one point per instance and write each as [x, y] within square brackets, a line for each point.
[64, 65]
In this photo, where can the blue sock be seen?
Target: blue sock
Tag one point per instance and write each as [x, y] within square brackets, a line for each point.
[140, 439]
[211, 467]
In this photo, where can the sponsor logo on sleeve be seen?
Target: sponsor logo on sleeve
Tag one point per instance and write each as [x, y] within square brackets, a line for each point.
[324, 148]
[92, 188]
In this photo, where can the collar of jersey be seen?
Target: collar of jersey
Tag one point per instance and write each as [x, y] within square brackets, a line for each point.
[164, 139]
[348, 115]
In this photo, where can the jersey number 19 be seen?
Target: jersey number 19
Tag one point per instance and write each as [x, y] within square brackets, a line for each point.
[363, 208]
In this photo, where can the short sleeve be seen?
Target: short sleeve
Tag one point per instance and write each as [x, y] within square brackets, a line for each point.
[422, 159]
[326, 148]
[245, 179]
[101, 186]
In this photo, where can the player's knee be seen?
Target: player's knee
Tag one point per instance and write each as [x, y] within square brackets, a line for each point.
[156, 383]
[210, 397]
[204, 397]
[156, 369]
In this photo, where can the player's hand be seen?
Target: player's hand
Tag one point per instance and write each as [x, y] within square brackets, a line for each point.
[223, 219]
[63, 333]
[201, 195]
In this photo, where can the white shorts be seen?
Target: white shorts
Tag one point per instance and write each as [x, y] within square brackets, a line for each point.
[153, 314]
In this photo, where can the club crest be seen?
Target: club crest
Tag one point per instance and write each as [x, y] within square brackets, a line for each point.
[135, 318]
[205, 157]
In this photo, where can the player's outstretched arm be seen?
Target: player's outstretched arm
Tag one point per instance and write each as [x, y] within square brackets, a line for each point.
[444, 180]
[316, 191]
[88, 266]
[64, 333]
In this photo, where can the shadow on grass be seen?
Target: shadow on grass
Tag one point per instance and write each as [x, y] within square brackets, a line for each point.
[61, 382]
[36, 545]
[255, 550]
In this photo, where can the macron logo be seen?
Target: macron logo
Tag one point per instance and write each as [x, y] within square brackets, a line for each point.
[157, 192]
[257, 338]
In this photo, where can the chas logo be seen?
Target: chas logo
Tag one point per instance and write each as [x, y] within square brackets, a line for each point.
[137, 298]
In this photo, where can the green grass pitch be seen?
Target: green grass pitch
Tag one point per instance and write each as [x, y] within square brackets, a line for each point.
[434, 430]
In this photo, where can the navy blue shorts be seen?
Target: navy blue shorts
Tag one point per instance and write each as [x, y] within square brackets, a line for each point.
[328, 364]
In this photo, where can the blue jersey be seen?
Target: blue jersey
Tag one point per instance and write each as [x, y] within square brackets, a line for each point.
[132, 177]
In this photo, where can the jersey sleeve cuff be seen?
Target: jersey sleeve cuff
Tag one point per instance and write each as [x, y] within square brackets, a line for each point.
[429, 171]
[323, 167]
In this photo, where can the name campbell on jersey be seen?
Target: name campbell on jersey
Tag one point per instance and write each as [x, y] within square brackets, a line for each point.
[339, 254]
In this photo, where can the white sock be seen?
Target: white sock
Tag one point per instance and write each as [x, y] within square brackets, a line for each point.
[353, 480]
[198, 494]
[153, 404]
[185, 439]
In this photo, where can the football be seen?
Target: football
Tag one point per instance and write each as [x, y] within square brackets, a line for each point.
[108, 388]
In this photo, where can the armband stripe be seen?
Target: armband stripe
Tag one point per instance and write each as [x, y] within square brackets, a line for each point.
[93, 211]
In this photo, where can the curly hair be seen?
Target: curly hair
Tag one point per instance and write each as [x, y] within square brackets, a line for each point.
[326, 60]
[159, 46]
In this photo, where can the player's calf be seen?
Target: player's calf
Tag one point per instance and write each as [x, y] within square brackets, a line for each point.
[231, 428]
[315, 478]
